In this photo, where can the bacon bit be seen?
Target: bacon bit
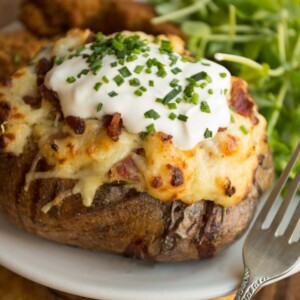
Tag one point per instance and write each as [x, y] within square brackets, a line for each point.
[5, 109]
[114, 126]
[7, 82]
[90, 38]
[34, 102]
[140, 151]
[156, 182]
[221, 129]
[44, 66]
[240, 98]
[229, 145]
[177, 176]
[50, 96]
[54, 147]
[229, 190]
[76, 123]
[125, 170]
[165, 137]
[5, 139]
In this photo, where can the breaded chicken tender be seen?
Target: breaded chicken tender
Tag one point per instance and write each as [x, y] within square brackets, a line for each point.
[16, 50]
[50, 17]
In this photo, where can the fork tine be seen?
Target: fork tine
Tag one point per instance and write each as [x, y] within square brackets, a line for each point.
[285, 202]
[277, 189]
[293, 223]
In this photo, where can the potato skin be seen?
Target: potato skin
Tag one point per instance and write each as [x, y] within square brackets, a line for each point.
[122, 220]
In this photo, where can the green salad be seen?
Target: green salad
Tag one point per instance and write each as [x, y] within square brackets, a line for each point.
[258, 40]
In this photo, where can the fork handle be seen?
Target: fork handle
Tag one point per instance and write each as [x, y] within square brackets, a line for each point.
[249, 285]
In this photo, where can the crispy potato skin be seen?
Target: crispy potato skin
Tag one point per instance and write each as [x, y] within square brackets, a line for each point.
[122, 220]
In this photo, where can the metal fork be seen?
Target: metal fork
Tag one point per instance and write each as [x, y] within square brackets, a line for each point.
[268, 255]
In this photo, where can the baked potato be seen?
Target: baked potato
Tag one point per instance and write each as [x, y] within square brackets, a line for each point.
[93, 184]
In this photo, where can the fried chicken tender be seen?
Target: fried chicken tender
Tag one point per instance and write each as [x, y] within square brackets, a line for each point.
[16, 50]
[50, 17]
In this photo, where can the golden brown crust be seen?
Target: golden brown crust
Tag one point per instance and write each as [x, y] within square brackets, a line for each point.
[51, 17]
[16, 50]
[122, 220]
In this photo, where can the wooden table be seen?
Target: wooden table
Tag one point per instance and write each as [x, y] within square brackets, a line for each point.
[14, 287]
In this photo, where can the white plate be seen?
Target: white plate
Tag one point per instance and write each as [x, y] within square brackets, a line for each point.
[110, 277]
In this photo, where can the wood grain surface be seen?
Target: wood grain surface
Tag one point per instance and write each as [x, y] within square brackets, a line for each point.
[14, 287]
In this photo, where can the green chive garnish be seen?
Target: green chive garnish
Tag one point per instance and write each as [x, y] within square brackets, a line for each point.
[143, 89]
[176, 70]
[210, 91]
[199, 76]
[114, 64]
[151, 83]
[58, 60]
[152, 114]
[170, 96]
[244, 129]
[182, 118]
[159, 100]
[150, 128]
[138, 93]
[223, 75]
[134, 82]
[83, 72]
[119, 80]
[172, 116]
[97, 86]
[124, 72]
[117, 45]
[71, 79]
[204, 107]
[105, 79]
[232, 119]
[207, 133]
[112, 94]
[172, 105]
[99, 107]
[174, 82]
[131, 58]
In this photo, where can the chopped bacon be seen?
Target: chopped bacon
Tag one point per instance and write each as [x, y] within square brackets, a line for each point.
[5, 109]
[114, 126]
[125, 170]
[44, 65]
[229, 189]
[34, 102]
[177, 176]
[76, 123]
[156, 182]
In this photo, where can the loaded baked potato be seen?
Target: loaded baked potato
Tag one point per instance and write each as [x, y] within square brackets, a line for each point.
[87, 175]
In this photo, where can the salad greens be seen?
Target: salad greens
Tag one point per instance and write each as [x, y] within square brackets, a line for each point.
[258, 40]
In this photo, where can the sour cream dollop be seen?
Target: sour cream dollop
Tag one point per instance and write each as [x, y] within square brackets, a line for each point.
[154, 90]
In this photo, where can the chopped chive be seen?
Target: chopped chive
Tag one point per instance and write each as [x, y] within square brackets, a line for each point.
[195, 98]
[99, 36]
[83, 72]
[210, 91]
[146, 54]
[105, 79]
[225, 91]
[114, 64]
[112, 94]
[203, 85]
[176, 70]
[172, 105]
[174, 82]
[97, 86]
[165, 47]
[148, 71]
[134, 82]
[199, 76]
[205, 64]
[124, 72]
[161, 72]
[138, 69]
[58, 60]
[182, 118]
[99, 107]
[119, 46]
[156, 40]
[143, 135]
[159, 100]
[80, 49]
[119, 80]
[150, 128]
[143, 89]
[152, 114]
[244, 129]
[232, 119]
[172, 116]
[71, 79]
[151, 83]
[207, 133]
[184, 59]
[172, 94]
[173, 58]
[131, 58]
[204, 107]
[121, 61]
[223, 75]
[138, 93]
[208, 79]
[178, 100]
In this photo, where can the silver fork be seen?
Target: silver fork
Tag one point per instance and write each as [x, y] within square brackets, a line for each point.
[268, 255]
